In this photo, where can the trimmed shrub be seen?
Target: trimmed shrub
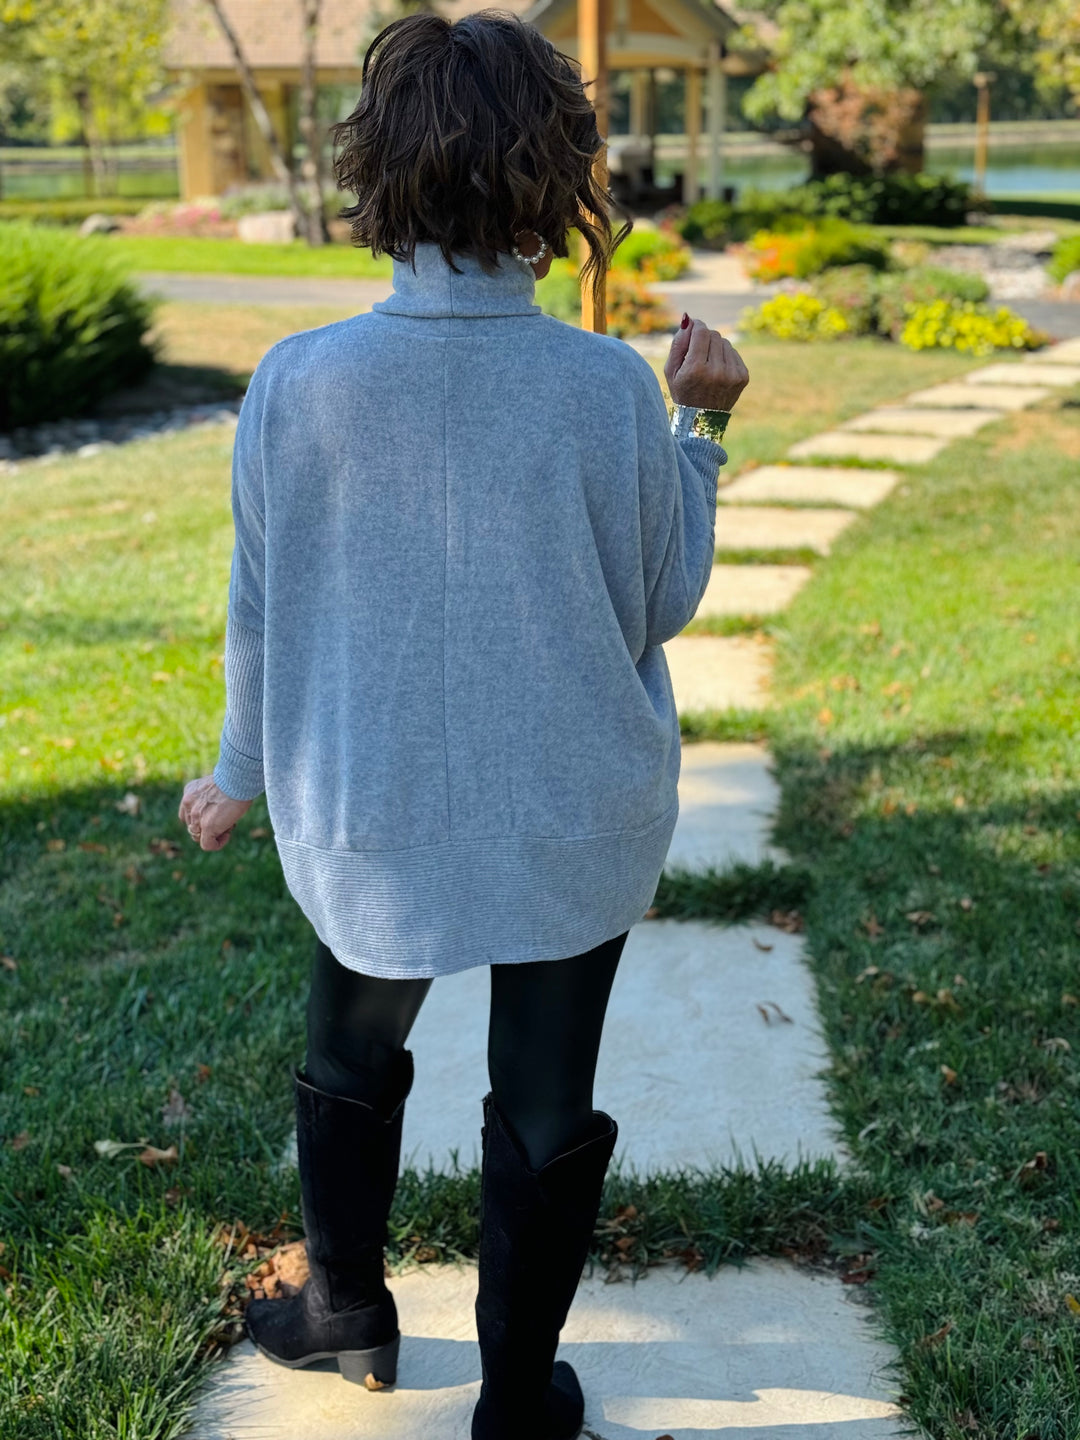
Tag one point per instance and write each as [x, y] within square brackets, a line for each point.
[654, 254]
[967, 327]
[860, 199]
[797, 255]
[69, 212]
[1065, 259]
[796, 317]
[922, 286]
[72, 326]
[632, 308]
[892, 199]
[853, 290]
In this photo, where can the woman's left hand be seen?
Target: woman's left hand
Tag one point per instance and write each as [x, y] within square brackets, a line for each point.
[209, 814]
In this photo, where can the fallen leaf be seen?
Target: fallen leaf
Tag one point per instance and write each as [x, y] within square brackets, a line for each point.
[56, 845]
[1068, 999]
[652, 912]
[938, 1335]
[108, 1149]
[760, 944]
[1057, 1042]
[169, 848]
[131, 804]
[260, 832]
[30, 1090]
[1038, 1163]
[967, 903]
[64, 1170]
[176, 1109]
[8, 962]
[20, 1141]
[921, 918]
[873, 926]
[790, 921]
[948, 1074]
[153, 1156]
[93, 846]
[1073, 1304]
[202, 1072]
[779, 1013]
[825, 716]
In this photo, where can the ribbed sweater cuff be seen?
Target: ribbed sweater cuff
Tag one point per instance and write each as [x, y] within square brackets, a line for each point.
[239, 770]
[707, 457]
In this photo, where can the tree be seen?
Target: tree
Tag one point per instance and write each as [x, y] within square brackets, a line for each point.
[305, 200]
[1054, 25]
[98, 58]
[856, 73]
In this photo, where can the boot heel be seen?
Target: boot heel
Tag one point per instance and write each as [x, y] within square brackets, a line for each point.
[374, 1369]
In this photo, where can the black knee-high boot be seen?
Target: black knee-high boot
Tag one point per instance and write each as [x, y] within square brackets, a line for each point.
[348, 1155]
[535, 1228]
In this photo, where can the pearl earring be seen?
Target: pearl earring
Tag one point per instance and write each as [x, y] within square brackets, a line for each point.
[531, 259]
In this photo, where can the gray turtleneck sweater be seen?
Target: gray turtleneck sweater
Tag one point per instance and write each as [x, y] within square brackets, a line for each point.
[463, 532]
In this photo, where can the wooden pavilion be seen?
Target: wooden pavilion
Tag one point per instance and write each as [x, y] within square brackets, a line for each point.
[220, 146]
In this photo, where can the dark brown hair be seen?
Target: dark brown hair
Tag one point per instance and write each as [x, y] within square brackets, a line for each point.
[466, 133]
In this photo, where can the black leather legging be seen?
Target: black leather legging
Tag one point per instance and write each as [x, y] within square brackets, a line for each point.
[544, 1031]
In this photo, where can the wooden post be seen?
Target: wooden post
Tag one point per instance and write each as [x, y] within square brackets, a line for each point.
[592, 52]
[691, 182]
[982, 80]
[717, 121]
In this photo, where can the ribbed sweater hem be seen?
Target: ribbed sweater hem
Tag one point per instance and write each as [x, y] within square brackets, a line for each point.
[438, 909]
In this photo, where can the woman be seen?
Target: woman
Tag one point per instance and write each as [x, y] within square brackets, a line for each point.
[463, 531]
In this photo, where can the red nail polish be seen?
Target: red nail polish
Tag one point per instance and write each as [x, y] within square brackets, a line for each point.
[685, 321]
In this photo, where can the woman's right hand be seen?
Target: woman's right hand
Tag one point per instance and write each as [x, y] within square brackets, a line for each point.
[703, 369]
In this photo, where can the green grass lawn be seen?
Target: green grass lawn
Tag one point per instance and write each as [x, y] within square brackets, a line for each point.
[153, 994]
[928, 683]
[234, 257]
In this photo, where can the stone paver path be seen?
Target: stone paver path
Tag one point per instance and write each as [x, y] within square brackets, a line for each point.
[810, 485]
[711, 672]
[905, 420]
[712, 1054]
[752, 589]
[956, 395]
[767, 1352]
[896, 449]
[1030, 372]
[757, 527]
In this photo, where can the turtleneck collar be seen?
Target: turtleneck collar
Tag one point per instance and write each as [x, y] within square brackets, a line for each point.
[434, 289]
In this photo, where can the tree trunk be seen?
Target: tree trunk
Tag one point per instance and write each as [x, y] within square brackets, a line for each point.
[310, 134]
[857, 131]
[95, 153]
[282, 169]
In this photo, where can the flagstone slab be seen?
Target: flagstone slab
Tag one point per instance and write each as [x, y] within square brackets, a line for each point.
[752, 589]
[712, 672]
[1028, 372]
[811, 485]
[1066, 352]
[956, 395]
[904, 420]
[770, 527]
[727, 798]
[900, 449]
[770, 1350]
[698, 1064]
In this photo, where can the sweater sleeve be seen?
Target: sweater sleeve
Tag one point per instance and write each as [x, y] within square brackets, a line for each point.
[239, 769]
[677, 490]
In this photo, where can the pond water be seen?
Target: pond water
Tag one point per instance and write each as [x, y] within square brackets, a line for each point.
[1016, 170]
